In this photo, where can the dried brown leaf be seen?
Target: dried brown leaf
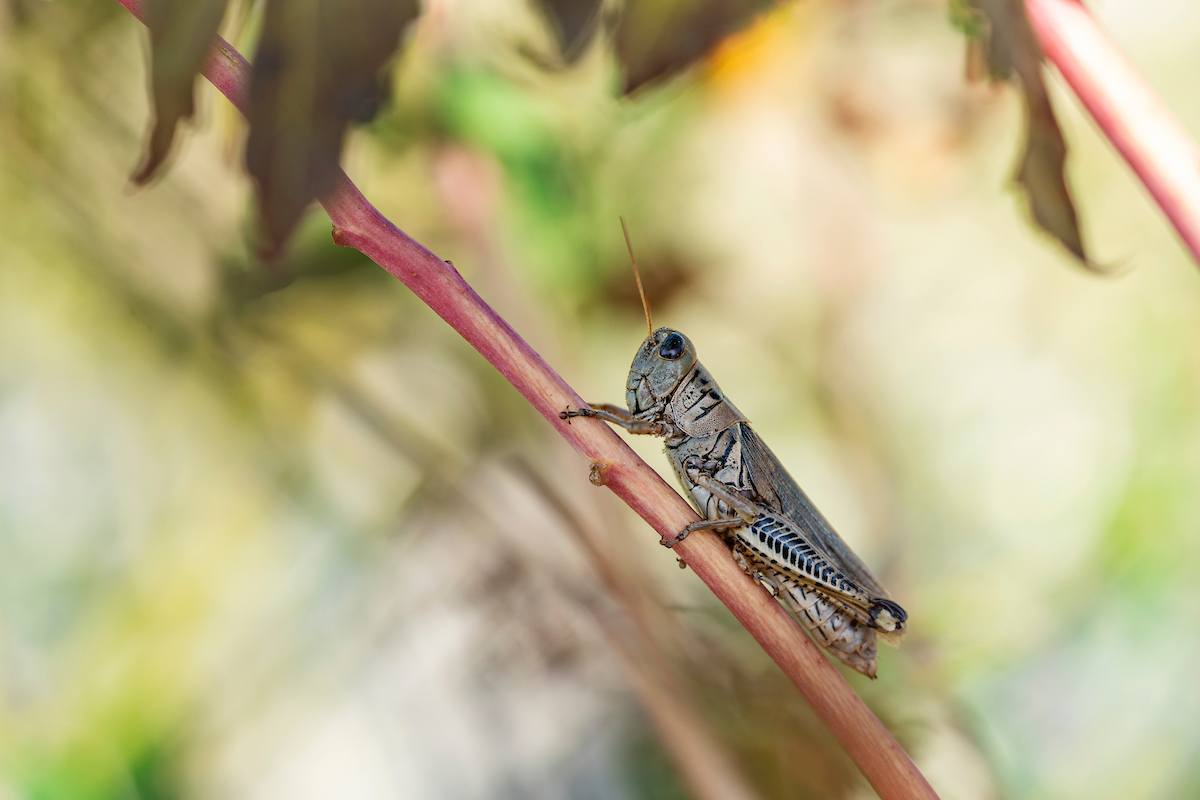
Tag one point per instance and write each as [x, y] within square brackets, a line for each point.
[574, 23]
[1012, 49]
[658, 38]
[654, 39]
[181, 34]
[317, 68]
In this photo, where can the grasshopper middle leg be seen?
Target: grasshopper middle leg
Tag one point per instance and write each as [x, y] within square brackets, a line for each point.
[724, 523]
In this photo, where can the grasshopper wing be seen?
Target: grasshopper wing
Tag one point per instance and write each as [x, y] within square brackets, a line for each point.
[777, 490]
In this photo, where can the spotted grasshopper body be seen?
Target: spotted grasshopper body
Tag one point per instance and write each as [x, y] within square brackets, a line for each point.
[741, 489]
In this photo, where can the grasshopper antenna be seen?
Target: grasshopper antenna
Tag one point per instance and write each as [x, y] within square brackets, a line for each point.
[637, 276]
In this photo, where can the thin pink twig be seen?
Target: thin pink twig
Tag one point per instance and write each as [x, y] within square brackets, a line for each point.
[360, 225]
[1146, 133]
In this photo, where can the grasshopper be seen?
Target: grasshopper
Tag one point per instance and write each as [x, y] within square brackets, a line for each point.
[741, 490]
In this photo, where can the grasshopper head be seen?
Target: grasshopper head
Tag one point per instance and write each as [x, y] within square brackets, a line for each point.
[664, 359]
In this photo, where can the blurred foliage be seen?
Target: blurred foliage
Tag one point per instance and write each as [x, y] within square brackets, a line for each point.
[269, 529]
[1012, 50]
[316, 69]
[317, 65]
[651, 40]
[181, 36]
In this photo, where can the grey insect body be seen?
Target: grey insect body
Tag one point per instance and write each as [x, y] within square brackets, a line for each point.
[741, 489]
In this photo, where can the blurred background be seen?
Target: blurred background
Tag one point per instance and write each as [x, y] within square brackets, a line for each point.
[272, 530]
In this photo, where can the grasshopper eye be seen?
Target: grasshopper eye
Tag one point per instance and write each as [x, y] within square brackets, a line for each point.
[672, 347]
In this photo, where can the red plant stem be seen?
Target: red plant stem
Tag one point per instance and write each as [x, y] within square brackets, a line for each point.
[360, 225]
[1142, 129]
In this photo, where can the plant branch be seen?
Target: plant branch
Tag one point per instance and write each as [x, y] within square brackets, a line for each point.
[360, 225]
[1133, 118]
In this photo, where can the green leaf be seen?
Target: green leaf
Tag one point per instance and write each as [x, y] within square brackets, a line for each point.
[317, 68]
[1012, 49]
[967, 19]
[181, 35]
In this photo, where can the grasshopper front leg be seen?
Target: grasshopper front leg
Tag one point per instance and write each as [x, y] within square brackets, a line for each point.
[619, 416]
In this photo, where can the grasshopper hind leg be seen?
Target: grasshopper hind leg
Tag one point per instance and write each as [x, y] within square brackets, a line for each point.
[827, 622]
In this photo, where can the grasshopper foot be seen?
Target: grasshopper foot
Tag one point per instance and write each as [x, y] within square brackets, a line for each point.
[674, 540]
[766, 582]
